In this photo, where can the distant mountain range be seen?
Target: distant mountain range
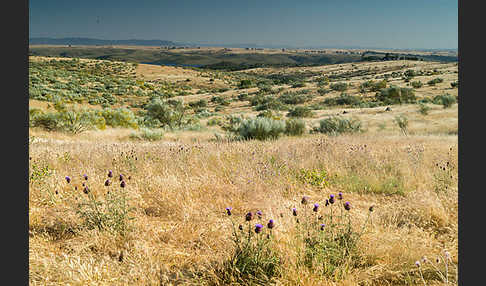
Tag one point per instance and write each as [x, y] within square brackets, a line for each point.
[100, 42]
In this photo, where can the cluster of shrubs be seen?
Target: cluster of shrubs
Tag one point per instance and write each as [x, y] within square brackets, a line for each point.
[434, 81]
[263, 127]
[372, 86]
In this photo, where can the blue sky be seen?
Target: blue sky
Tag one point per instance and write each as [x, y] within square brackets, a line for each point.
[387, 24]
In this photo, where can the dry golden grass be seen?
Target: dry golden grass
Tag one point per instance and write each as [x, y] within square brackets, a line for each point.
[179, 191]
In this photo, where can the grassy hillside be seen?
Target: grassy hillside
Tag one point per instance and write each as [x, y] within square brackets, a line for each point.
[180, 141]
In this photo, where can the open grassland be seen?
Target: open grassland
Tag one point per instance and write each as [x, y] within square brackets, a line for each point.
[168, 224]
[177, 194]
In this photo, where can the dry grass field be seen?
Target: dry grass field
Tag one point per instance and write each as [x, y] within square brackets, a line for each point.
[169, 225]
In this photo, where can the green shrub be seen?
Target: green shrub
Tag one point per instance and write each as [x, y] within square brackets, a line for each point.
[335, 125]
[446, 100]
[161, 114]
[120, 117]
[340, 86]
[199, 104]
[260, 128]
[110, 213]
[455, 84]
[245, 83]
[220, 100]
[343, 99]
[295, 127]
[295, 98]
[423, 109]
[300, 111]
[395, 94]
[417, 84]
[243, 96]
[434, 81]
[147, 134]
[298, 84]
[255, 259]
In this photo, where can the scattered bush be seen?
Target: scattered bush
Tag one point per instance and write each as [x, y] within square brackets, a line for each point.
[446, 100]
[417, 84]
[340, 86]
[295, 127]
[434, 81]
[261, 128]
[455, 84]
[335, 125]
[395, 94]
[423, 109]
[147, 134]
[300, 111]
[343, 99]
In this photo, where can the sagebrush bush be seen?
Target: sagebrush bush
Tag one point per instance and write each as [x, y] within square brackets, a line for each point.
[396, 95]
[120, 117]
[339, 86]
[164, 113]
[402, 122]
[446, 100]
[261, 128]
[295, 127]
[147, 134]
[300, 111]
[335, 125]
[423, 109]
[417, 84]
[343, 99]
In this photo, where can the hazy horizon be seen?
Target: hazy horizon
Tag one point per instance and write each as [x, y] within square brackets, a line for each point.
[373, 24]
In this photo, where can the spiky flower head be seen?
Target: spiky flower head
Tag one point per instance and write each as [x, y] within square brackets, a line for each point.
[340, 196]
[122, 184]
[240, 227]
[107, 182]
[294, 211]
[121, 177]
[270, 224]
[85, 177]
[322, 226]
[316, 207]
[110, 173]
[259, 214]
[305, 200]
[258, 227]
[327, 202]
[249, 216]
[331, 199]
[68, 179]
[228, 210]
[86, 190]
[347, 206]
[417, 263]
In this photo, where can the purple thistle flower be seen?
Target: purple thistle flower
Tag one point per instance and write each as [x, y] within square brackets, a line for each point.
[86, 190]
[228, 210]
[331, 199]
[122, 184]
[68, 179]
[110, 173]
[107, 182]
[121, 177]
[340, 196]
[258, 227]
[347, 206]
[259, 214]
[294, 211]
[327, 202]
[270, 224]
[316, 207]
[322, 226]
[85, 177]
[249, 216]
[305, 200]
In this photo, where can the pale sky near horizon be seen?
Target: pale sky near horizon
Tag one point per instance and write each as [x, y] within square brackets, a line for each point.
[426, 24]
